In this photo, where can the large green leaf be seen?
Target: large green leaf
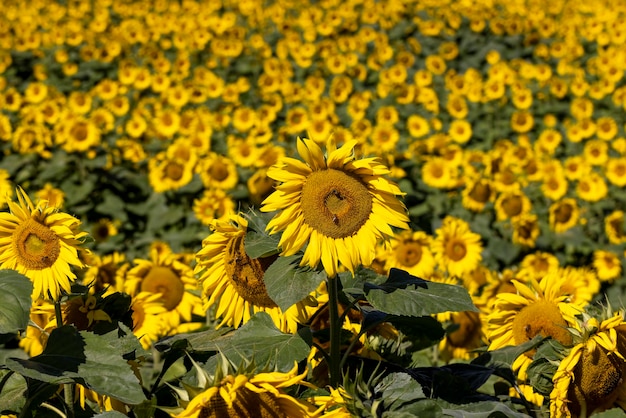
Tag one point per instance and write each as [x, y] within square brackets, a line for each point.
[481, 409]
[12, 391]
[258, 244]
[287, 284]
[15, 291]
[407, 295]
[260, 341]
[96, 361]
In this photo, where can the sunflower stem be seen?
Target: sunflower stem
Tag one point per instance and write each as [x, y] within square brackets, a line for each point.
[335, 332]
[68, 388]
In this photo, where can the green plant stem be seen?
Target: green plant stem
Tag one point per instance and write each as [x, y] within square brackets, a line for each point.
[68, 388]
[335, 332]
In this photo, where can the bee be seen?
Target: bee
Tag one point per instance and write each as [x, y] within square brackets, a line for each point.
[335, 219]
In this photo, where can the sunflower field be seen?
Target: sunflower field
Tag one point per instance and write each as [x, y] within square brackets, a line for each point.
[312, 208]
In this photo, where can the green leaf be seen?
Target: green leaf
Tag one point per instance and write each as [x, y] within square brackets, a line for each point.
[260, 341]
[15, 291]
[406, 295]
[399, 389]
[12, 393]
[96, 361]
[258, 244]
[287, 284]
[110, 414]
[611, 413]
[482, 409]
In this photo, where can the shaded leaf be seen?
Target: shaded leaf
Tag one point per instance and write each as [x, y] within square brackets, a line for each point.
[258, 244]
[12, 391]
[491, 409]
[406, 295]
[15, 291]
[95, 361]
[261, 341]
[287, 284]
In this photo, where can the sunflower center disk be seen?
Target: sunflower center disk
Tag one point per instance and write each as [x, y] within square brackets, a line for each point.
[598, 376]
[163, 280]
[409, 254]
[542, 317]
[455, 249]
[247, 404]
[469, 327]
[36, 245]
[246, 274]
[334, 203]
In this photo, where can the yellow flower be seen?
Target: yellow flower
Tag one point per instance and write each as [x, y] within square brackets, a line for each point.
[166, 275]
[106, 273]
[213, 204]
[563, 215]
[536, 308]
[614, 227]
[233, 282]
[41, 243]
[410, 251]
[456, 248]
[607, 264]
[338, 205]
[239, 395]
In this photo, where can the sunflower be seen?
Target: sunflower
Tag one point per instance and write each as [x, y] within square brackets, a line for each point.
[563, 215]
[166, 173]
[607, 264]
[538, 264]
[590, 377]
[239, 395]
[41, 243]
[410, 251]
[512, 205]
[467, 336]
[38, 330]
[592, 187]
[233, 282]
[614, 227]
[456, 248]
[477, 194]
[536, 308]
[147, 310]
[6, 189]
[213, 204]
[166, 275]
[218, 171]
[106, 273]
[340, 207]
[526, 230]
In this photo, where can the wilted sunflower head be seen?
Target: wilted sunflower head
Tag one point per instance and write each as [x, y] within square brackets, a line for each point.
[336, 205]
[241, 393]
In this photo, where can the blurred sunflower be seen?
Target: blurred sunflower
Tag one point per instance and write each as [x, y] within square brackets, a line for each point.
[53, 196]
[41, 243]
[337, 205]
[233, 282]
[240, 395]
[147, 310]
[213, 204]
[166, 275]
[410, 251]
[614, 227]
[590, 377]
[563, 215]
[536, 308]
[467, 336]
[607, 265]
[6, 188]
[106, 273]
[456, 248]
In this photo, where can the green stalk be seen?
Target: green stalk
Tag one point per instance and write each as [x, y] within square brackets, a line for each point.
[335, 332]
[68, 388]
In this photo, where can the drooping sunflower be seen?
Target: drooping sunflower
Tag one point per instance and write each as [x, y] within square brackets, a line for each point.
[338, 205]
[456, 248]
[241, 395]
[590, 378]
[41, 243]
[536, 308]
[460, 343]
[233, 282]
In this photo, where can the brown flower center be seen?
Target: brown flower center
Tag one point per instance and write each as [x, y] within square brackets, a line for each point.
[597, 377]
[468, 331]
[334, 203]
[246, 274]
[247, 404]
[456, 249]
[219, 171]
[563, 213]
[37, 246]
[409, 253]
